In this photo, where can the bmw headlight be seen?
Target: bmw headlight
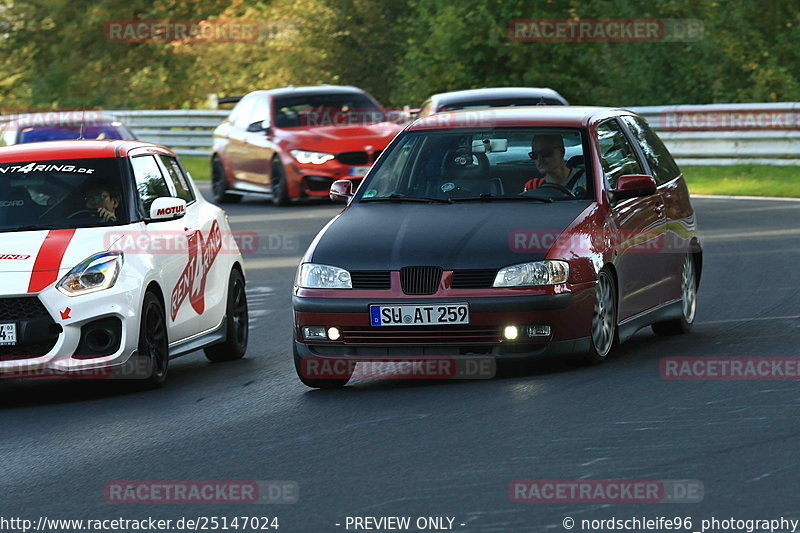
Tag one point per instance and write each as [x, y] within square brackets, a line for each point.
[530, 274]
[312, 276]
[315, 158]
[95, 273]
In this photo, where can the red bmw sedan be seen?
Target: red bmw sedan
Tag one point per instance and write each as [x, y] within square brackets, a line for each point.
[504, 233]
[295, 142]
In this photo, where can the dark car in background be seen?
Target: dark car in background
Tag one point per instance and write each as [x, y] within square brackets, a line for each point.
[295, 142]
[445, 250]
[490, 97]
[63, 126]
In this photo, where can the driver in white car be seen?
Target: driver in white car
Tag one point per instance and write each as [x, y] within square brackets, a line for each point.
[105, 200]
[547, 151]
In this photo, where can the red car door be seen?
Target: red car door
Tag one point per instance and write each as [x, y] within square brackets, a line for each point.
[638, 225]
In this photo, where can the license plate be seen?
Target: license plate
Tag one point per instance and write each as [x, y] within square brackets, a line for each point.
[359, 171]
[8, 334]
[418, 315]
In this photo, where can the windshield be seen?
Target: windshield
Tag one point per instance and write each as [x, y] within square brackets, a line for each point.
[500, 102]
[105, 131]
[61, 194]
[456, 165]
[326, 110]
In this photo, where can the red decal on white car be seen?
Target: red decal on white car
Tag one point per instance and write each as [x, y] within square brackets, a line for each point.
[192, 282]
[48, 260]
[15, 257]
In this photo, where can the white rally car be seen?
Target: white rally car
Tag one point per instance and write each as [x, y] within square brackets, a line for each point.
[112, 263]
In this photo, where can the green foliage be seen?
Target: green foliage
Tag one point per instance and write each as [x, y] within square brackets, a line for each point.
[53, 53]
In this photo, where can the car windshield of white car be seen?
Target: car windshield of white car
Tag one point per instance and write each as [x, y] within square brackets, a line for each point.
[61, 194]
[458, 165]
[312, 110]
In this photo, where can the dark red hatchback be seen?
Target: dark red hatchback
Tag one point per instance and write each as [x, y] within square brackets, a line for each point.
[503, 233]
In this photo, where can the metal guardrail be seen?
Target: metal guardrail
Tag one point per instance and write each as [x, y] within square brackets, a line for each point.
[717, 134]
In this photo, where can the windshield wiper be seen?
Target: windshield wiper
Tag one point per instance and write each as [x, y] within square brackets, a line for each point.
[29, 227]
[397, 197]
[490, 197]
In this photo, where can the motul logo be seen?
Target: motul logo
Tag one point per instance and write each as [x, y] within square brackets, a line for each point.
[174, 210]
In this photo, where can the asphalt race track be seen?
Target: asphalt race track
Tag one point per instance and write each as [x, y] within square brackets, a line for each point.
[422, 448]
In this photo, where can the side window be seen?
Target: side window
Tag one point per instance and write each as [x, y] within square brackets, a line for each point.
[173, 171]
[658, 157]
[150, 183]
[616, 153]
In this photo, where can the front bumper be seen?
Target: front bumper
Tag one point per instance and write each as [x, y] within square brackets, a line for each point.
[63, 325]
[568, 314]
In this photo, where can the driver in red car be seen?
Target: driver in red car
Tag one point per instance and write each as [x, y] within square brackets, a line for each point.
[105, 200]
[547, 151]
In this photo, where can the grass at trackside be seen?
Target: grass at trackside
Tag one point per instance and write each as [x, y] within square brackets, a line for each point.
[737, 180]
[199, 166]
[744, 180]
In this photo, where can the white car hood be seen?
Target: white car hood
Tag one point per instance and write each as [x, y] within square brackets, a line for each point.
[33, 260]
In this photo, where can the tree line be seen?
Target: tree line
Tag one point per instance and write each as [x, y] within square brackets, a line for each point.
[58, 54]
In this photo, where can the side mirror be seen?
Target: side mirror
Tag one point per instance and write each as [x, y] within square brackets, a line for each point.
[167, 208]
[634, 186]
[261, 125]
[341, 191]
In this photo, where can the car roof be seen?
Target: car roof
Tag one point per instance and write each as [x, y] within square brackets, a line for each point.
[86, 149]
[563, 116]
[456, 97]
[313, 89]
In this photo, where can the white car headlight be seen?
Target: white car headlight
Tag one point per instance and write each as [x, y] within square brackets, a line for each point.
[312, 276]
[315, 158]
[530, 274]
[95, 273]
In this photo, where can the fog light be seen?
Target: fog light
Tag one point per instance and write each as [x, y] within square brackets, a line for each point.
[539, 330]
[510, 332]
[314, 333]
[334, 334]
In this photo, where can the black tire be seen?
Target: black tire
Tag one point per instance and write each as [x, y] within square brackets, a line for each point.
[683, 324]
[316, 383]
[604, 336]
[235, 344]
[153, 340]
[219, 184]
[280, 192]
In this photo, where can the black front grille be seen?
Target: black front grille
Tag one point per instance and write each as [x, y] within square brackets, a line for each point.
[422, 335]
[371, 279]
[376, 154]
[420, 279]
[353, 158]
[23, 308]
[473, 279]
[37, 333]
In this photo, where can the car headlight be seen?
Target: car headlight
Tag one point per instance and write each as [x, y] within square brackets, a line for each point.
[315, 158]
[312, 276]
[95, 273]
[536, 273]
